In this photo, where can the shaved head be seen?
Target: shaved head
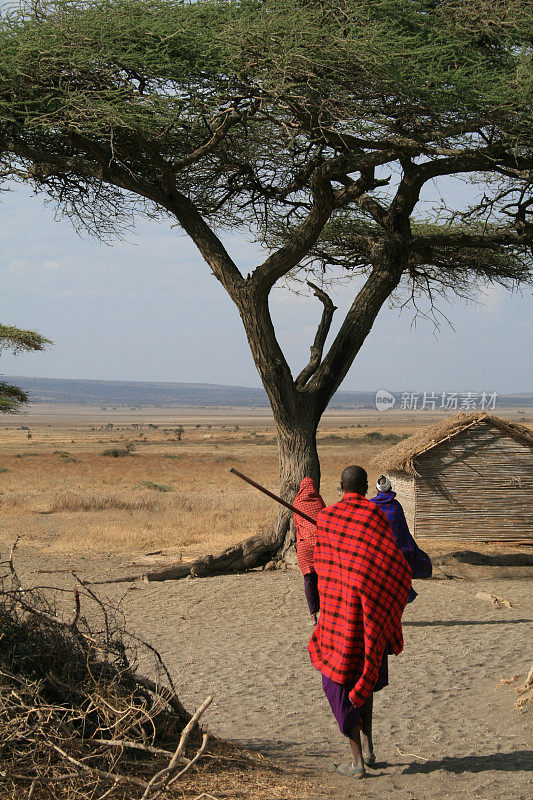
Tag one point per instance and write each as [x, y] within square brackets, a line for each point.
[354, 479]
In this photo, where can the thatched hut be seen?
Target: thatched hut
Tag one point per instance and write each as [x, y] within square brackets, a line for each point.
[467, 477]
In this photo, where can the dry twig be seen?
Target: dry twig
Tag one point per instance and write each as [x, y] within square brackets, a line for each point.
[412, 755]
[76, 720]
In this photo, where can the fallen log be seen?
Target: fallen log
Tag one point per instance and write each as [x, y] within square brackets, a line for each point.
[256, 551]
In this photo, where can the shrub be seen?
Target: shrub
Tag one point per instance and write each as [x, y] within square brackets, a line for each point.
[119, 452]
[158, 487]
[375, 437]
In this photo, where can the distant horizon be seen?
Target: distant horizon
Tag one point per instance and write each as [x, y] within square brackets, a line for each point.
[148, 309]
[258, 387]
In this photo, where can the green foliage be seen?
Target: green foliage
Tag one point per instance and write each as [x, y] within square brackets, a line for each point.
[158, 487]
[11, 398]
[145, 84]
[444, 54]
[18, 341]
[315, 125]
[375, 437]
[126, 65]
[450, 257]
[119, 452]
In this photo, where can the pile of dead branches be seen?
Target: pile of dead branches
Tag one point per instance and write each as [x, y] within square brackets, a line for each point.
[76, 719]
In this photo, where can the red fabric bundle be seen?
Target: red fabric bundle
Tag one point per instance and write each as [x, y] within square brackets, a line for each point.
[309, 501]
[363, 582]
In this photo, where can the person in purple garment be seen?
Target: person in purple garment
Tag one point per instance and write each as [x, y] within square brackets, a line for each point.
[418, 560]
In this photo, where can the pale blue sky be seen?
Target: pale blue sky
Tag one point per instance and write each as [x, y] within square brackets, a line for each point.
[149, 309]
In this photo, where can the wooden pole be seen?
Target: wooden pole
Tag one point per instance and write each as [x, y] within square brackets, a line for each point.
[273, 496]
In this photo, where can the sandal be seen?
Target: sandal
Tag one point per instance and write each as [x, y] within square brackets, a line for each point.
[349, 771]
[369, 759]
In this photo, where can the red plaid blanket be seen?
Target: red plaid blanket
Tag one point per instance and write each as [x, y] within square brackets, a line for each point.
[363, 582]
[309, 501]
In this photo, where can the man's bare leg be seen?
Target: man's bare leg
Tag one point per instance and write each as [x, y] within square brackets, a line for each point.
[355, 745]
[366, 729]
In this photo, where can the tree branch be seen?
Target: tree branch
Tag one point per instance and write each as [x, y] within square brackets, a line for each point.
[354, 330]
[399, 143]
[324, 202]
[230, 118]
[279, 263]
[108, 170]
[484, 241]
[356, 190]
[317, 347]
[486, 158]
[207, 242]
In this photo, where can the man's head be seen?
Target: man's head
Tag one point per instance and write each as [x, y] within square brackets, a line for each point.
[383, 484]
[354, 479]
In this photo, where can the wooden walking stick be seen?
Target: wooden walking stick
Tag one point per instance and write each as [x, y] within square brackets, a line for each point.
[273, 496]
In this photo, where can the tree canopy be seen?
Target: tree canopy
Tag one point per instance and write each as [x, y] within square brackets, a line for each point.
[315, 126]
[17, 341]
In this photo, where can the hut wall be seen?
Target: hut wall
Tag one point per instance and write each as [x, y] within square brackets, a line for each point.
[404, 486]
[478, 485]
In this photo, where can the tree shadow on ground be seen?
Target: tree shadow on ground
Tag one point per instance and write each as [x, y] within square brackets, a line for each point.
[474, 558]
[447, 623]
[502, 762]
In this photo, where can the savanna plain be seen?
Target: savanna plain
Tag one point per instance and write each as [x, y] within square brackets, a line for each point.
[110, 493]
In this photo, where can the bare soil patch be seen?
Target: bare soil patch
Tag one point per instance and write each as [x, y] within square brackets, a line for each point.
[243, 638]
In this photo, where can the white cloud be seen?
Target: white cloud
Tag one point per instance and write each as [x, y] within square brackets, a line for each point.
[51, 265]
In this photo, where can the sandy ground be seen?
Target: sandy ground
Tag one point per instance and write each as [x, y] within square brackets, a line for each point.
[243, 638]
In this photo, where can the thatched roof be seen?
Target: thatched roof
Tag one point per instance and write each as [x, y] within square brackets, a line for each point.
[401, 457]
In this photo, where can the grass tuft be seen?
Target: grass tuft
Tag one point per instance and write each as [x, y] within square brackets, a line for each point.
[158, 487]
[100, 501]
[375, 437]
[119, 452]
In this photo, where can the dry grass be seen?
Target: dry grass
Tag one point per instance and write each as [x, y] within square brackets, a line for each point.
[112, 504]
[63, 493]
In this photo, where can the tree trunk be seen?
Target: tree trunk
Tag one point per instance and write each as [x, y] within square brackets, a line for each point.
[297, 412]
[298, 459]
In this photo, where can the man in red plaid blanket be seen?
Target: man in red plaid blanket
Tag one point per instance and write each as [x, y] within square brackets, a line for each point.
[363, 583]
[310, 502]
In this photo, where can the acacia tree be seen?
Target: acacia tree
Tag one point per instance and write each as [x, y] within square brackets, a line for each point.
[315, 125]
[12, 398]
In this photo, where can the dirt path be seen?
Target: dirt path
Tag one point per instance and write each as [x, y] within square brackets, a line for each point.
[244, 639]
